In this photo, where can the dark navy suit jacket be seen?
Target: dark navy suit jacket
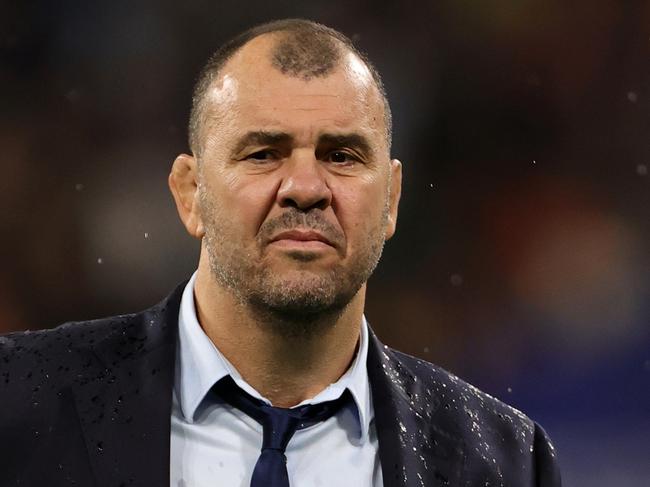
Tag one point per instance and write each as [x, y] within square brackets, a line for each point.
[88, 404]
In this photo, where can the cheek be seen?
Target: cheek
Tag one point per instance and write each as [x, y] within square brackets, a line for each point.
[244, 202]
[359, 209]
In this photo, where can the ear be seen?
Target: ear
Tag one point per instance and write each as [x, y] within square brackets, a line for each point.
[183, 183]
[393, 197]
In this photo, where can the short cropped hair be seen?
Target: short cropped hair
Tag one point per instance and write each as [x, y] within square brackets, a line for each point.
[308, 50]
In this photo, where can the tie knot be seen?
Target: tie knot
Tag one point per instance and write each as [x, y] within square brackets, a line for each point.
[279, 424]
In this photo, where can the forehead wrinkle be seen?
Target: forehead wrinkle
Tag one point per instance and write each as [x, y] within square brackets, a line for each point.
[323, 95]
[305, 109]
[231, 95]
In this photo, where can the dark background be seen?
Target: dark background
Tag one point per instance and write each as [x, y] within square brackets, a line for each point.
[521, 258]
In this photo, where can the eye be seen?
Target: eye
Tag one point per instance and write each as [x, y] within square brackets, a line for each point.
[341, 158]
[262, 155]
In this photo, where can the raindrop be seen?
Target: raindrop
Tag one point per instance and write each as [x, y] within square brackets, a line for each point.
[425, 349]
[100, 260]
[632, 96]
[100, 446]
[534, 161]
[456, 280]
[431, 185]
[146, 234]
[509, 390]
[79, 187]
[642, 170]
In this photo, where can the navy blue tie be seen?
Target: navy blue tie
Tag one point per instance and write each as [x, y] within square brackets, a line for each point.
[279, 425]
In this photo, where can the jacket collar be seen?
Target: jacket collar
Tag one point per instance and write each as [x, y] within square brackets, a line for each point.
[201, 365]
[124, 401]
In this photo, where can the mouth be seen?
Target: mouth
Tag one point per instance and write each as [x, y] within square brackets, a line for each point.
[302, 239]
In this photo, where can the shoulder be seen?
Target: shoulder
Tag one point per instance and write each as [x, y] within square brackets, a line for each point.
[496, 437]
[30, 359]
[65, 353]
[456, 394]
[479, 439]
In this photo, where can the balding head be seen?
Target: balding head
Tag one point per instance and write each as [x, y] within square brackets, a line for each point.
[299, 48]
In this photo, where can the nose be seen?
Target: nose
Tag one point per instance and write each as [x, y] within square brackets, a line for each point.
[304, 185]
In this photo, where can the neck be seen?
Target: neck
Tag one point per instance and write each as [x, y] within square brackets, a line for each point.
[286, 368]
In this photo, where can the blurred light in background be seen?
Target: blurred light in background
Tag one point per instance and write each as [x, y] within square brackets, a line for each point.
[521, 258]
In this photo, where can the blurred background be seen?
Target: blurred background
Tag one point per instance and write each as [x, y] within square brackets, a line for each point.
[521, 259]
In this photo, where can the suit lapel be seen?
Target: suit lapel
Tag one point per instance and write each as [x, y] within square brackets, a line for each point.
[124, 398]
[416, 446]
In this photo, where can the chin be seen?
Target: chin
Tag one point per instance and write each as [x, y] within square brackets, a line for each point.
[302, 296]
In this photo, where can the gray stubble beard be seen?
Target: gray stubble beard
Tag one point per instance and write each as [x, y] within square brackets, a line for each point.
[290, 308]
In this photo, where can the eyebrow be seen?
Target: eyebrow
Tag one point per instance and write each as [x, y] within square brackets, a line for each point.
[354, 141]
[262, 137]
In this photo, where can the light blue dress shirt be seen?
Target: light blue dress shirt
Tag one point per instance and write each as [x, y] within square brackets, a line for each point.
[214, 444]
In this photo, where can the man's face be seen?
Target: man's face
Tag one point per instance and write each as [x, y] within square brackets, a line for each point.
[296, 190]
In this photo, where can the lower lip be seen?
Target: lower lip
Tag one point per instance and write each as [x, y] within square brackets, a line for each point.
[301, 244]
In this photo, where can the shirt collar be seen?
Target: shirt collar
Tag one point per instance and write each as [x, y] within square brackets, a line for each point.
[200, 365]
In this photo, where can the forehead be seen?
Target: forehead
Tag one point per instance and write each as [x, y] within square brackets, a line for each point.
[250, 91]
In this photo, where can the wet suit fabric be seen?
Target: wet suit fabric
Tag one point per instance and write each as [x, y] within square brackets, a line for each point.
[89, 403]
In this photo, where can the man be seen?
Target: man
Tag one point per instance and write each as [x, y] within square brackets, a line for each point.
[262, 370]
